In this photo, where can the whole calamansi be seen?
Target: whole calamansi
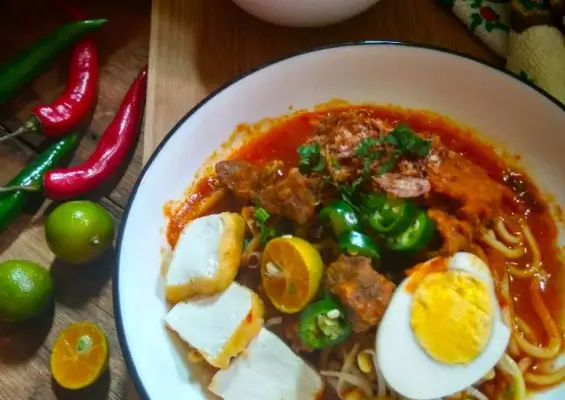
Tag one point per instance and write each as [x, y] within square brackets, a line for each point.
[79, 231]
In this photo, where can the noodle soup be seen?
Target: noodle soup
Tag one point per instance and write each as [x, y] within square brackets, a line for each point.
[360, 223]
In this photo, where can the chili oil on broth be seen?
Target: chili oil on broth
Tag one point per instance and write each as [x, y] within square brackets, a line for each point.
[278, 139]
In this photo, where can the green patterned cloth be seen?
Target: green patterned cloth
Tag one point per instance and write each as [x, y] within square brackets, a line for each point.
[527, 33]
[489, 20]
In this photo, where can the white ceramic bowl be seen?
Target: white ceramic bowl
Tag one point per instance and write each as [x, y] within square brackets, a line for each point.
[494, 102]
[304, 13]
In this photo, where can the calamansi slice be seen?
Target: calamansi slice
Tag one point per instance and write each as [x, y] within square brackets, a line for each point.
[80, 355]
[291, 272]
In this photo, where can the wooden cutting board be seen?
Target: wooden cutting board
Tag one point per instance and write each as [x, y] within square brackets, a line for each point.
[198, 45]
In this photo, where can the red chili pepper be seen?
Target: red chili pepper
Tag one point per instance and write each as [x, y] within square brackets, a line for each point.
[66, 183]
[78, 98]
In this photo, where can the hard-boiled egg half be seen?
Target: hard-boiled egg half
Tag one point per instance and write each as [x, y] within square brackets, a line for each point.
[442, 331]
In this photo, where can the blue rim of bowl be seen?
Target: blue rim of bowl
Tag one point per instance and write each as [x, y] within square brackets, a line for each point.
[132, 371]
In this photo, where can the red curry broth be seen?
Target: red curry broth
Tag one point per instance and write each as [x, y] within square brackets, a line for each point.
[282, 141]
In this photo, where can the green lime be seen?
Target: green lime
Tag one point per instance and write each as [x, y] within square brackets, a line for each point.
[79, 231]
[26, 290]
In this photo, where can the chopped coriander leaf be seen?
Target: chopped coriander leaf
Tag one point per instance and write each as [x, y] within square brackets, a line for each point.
[348, 191]
[410, 142]
[311, 158]
[364, 148]
[307, 151]
[319, 167]
[389, 164]
[368, 162]
[390, 139]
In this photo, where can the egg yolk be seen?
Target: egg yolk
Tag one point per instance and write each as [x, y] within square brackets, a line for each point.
[452, 316]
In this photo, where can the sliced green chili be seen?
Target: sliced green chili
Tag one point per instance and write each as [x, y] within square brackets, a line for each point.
[323, 324]
[341, 216]
[417, 236]
[358, 244]
[393, 217]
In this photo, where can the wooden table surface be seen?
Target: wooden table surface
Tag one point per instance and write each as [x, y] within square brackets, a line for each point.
[196, 46]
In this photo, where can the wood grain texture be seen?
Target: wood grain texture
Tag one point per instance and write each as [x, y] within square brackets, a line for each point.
[195, 47]
[83, 293]
[198, 45]
[123, 48]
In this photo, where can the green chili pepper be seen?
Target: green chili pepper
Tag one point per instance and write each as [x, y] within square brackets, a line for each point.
[27, 65]
[341, 216]
[393, 217]
[417, 236]
[323, 324]
[357, 244]
[12, 202]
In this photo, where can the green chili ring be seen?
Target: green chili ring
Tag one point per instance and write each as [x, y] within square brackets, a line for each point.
[341, 216]
[323, 324]
[357, 244]
[416, 237]
[393, 218]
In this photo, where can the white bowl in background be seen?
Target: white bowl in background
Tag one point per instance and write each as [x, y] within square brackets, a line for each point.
[305, 13]
[495, 103]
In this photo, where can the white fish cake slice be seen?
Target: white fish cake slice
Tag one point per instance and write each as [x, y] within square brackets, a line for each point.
[268, 370]
[206, 258]
[219, 327]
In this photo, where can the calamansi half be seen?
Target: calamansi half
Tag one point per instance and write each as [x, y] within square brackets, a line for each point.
[291, 272]
[79, 356]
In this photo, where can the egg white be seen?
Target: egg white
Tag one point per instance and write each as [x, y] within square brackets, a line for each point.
[407, 368]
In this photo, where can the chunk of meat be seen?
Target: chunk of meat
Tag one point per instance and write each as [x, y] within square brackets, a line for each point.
[290, 195]
[364, 291]
[458, 178]
[457, 235]
[241, 177]
[293, 197]
[401, 185]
